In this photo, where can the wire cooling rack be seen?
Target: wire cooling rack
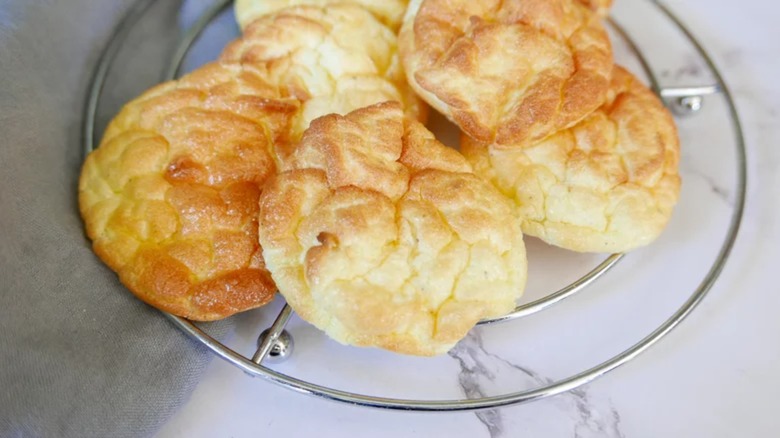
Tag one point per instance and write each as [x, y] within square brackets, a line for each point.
[275, 343]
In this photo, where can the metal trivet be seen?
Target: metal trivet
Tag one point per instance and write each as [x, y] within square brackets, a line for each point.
[275, 343]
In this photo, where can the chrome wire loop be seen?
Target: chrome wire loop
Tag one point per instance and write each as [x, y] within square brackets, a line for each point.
[683, 100]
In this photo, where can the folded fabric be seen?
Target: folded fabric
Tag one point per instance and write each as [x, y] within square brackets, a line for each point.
[80, 355]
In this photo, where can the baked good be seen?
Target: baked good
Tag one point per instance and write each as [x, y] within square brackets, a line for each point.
[170, 198]
[333, 58]
[389, 12]
[507, 72]
[608, 184]
[381, 236]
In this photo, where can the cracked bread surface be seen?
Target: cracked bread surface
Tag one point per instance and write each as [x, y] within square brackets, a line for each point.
[170, 198]
[381, 236]
[334, 59]
[507, 72]
[608, 184]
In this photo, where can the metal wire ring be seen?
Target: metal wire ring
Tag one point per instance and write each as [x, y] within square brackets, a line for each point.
[554, 388]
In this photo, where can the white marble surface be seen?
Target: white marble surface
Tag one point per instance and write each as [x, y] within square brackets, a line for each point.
[715, 376]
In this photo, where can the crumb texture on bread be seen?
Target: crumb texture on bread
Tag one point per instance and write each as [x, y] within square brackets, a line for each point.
[608, 184]
[507, 71]
[381, 236]
[334, 59]
[170, 198]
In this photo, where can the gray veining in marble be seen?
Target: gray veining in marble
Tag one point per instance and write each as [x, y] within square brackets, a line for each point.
[723, 193]
[715, 377]
[692, 68]
[482, 371]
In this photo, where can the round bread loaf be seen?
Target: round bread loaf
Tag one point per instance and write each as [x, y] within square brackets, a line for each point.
[389, 12]
[608, 184]
[507, 72]
[170, 198]
[381, 236]
[334, 59]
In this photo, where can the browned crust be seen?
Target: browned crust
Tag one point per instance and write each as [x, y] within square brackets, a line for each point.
[170, 196]
[507, 72]
[380, 236]
[608, 184]
[334, 58]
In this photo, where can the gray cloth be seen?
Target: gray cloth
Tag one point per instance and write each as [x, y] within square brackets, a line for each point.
[79, 356]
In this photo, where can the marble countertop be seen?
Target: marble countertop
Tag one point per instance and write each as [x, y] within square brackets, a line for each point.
[714, 376]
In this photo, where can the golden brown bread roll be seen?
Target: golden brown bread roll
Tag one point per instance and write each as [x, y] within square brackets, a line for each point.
[507, 72]
[334, 59]
[170, 198]
[389, 12]
[380, 236]
[608, 184]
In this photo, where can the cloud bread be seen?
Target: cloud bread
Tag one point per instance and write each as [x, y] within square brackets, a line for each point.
[170, 198]
[335, 59]
[380, 236]
[507, 72]
[389, 12]
[607, 184]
